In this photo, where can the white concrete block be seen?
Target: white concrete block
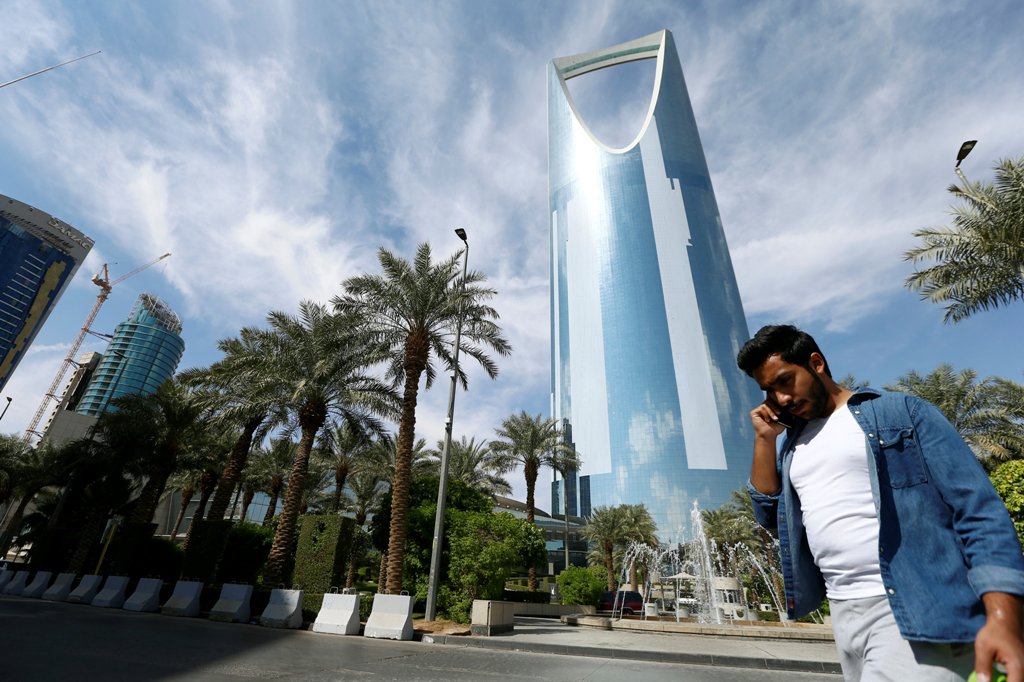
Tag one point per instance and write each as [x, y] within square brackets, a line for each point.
[339, 615]
[146, 597]
[5, 577]
[17, 583]
[113, 593]
[37, 585]
[233, 604]
[86, 590]
[284, 610]
[184, 600]
[61, 587]
[391, 617]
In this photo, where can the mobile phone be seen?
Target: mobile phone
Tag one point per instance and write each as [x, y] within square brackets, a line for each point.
[782, 414]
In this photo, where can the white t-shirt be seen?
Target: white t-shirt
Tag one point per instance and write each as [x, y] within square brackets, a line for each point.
[829, 472]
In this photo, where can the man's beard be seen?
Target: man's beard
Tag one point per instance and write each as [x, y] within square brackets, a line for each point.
[819, 398]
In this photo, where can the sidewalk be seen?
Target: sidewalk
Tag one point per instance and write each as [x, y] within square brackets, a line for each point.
[543, 635]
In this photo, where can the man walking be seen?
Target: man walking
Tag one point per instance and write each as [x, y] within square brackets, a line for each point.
[882, 507]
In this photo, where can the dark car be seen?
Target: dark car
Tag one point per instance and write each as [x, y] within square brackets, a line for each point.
[628, 602]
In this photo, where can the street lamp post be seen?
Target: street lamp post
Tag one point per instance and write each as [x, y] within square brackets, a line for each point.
[442, 488]
[965, 149]
[9, 399]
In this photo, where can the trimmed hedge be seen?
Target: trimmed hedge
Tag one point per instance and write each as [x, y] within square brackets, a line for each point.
[526, 597]
[322, 551]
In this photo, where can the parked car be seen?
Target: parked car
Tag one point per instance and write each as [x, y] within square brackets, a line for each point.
[628, 602]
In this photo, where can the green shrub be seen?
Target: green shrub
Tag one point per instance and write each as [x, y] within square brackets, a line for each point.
[163, 559]
[321, 557]
[245, 553]
[206, 545]
[1008, 479]
[486, 549]
[768, 616]
[365, 605]
[582, 585]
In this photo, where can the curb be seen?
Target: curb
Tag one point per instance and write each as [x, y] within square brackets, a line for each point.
[628, 654]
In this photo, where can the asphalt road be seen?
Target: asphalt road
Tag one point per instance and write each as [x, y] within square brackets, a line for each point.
[42, 641]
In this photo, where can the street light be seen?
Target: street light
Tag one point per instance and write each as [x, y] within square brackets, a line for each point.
[9, 399]
[442, 488]
[965, 149]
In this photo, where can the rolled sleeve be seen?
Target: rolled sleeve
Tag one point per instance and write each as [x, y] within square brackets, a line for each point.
[996, 579]
[766, 507]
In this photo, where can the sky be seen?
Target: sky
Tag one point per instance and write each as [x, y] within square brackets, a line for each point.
[273, 147]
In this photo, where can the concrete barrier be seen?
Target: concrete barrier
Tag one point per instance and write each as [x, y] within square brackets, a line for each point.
[17, 583]
[233, 604]
[38, 585]
[492, 617]
[86, 590]
[339, 615]
[113, 593]
[146, 597]
[391, 617]
[61, 587]
[184, 600]
[284, 610]
[5, 577]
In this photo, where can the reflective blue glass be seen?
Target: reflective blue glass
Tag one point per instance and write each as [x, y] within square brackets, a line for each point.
[39, 255]
[143, 354]
[645, 312]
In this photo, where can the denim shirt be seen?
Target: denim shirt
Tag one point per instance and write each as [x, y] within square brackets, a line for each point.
[945, 537]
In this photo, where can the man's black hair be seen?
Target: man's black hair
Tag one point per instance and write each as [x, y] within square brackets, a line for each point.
[791, 344]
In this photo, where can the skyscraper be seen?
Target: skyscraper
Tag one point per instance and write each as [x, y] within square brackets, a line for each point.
[144, 353]
[39, 255]
[645, 313]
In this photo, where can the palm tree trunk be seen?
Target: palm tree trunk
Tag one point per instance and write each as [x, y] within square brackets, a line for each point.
[531, 484]
[382, 573]
[311, 418]
[247, 495]
[186, 498]
[416, 353]
[340, 474]
[146, 504]
[353, 564]
[233, 469]
[206, 483]
[609, 564]
[275, 493]
[91, 533]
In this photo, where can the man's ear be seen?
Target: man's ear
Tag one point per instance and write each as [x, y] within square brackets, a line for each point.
[817, 363]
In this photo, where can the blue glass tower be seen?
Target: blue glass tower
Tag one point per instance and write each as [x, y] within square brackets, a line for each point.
[39, 255]
[646, 316]
[143, 354]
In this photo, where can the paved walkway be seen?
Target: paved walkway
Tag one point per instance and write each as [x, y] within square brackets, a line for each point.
[544, 635]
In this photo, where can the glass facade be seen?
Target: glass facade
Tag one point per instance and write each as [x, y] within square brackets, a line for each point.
[646, 316]
[39, 255]
[143, 354]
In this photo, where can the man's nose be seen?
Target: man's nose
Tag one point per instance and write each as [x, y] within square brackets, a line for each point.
[783, 399]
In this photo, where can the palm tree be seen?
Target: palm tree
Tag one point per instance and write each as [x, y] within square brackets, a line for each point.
[158, 426]
[532, 443]
[606, 527]
[239, 395]
[36, 469]
[639, 527]
[565, 462]
[318, 361]
[988, 414]
[472, 463]
[269, 468]
[186, 482]
[343, 447]
[13, 449]
[980, 259]
[413, 309]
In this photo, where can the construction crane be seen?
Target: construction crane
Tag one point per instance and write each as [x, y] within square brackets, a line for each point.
[105, 285]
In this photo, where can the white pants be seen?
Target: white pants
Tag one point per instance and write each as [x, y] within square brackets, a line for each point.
[872, 650]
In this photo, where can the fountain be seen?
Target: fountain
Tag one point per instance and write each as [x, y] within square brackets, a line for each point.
[713, 576]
